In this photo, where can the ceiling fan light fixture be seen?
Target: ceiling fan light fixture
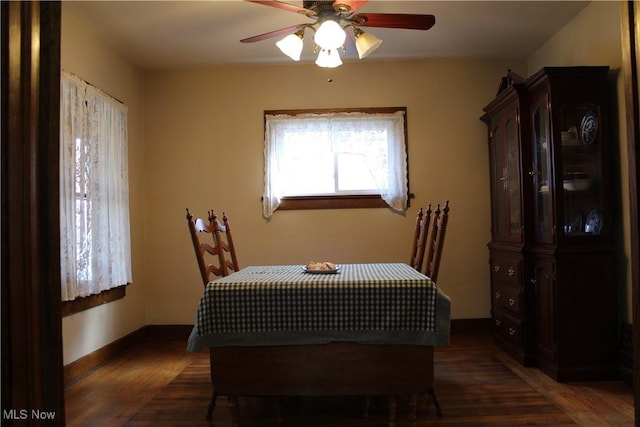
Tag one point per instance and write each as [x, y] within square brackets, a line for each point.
[365, 42]
[329, 35]
[331, 19]
[292, 45]
[328, 58]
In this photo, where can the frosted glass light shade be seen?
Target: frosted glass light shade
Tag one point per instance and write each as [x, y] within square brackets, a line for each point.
[328, 58]
[330, 35]
[291, 46]
[365, 43]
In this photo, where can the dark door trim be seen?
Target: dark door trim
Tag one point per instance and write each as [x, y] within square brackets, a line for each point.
[32, 371]
[630, 25]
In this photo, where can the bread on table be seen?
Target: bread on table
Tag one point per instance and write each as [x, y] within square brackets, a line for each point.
[325, 265]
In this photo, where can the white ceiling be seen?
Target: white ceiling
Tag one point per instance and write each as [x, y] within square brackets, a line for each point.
[172, 34]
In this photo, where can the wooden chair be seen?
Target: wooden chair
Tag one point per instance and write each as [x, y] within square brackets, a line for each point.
[427, 244]
[211, 258]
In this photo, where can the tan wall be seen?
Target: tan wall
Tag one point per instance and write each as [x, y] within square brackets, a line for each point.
[205, 127]
[94, 62]
[593, 38]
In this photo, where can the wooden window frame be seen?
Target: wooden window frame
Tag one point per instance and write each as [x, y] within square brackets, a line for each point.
[80, 304]
[337, 201]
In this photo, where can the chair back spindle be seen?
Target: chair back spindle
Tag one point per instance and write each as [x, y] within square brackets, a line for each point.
[420, 236]
[435, 241]
[224, 242]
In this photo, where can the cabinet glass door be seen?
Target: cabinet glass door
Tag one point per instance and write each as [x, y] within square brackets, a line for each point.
[498, 172]
[513, 178]
[542, 177]
[506, 180]
[582, 198]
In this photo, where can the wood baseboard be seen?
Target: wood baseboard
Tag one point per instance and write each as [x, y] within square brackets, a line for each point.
[471, 326]
[81, 367]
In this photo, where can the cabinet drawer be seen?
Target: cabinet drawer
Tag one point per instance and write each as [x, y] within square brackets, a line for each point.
[507, 328]
[507, 297]
[506, 269]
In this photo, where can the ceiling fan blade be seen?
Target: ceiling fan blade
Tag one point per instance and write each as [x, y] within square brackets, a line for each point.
[348, 6]
[275, 33]
[285, 6]
[394, 20]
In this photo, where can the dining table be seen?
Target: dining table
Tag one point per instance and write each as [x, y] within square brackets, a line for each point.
[359, 329]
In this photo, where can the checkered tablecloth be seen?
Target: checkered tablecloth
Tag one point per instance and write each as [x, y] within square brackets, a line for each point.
[261, 304]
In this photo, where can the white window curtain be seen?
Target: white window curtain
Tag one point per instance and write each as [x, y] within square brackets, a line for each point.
[94, 190]
[390, 177]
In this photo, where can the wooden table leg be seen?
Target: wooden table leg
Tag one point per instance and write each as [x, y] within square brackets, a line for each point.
[413, 404]
[393, 409]
[365, 406]
[277, 409]
[233, 405]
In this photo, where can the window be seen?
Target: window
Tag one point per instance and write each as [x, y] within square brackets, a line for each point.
[94, 191]
[335, 158]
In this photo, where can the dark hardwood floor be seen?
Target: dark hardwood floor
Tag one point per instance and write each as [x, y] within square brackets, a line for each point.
[158, 383]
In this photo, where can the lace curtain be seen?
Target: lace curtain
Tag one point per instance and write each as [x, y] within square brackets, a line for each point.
[95, 244]
[337, 130]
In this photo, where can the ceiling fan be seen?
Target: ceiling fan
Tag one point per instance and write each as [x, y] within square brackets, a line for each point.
[332, 17]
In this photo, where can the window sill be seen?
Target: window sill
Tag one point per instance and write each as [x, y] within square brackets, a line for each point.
[333, 202]
[80, 304]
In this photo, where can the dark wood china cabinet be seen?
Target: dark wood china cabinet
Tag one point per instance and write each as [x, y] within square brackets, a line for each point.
[552, 223]
[511, 304]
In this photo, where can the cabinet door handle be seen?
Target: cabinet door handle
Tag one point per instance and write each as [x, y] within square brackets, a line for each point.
[511, 271]
[496, 268]
[512, 331]
[505, 182]
[498, 295]
[533, 282]
[498, 322]
[512, 301]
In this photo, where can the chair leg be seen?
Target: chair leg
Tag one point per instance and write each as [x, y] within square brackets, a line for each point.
[436, 403]
[212, 404]
[214, 394]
